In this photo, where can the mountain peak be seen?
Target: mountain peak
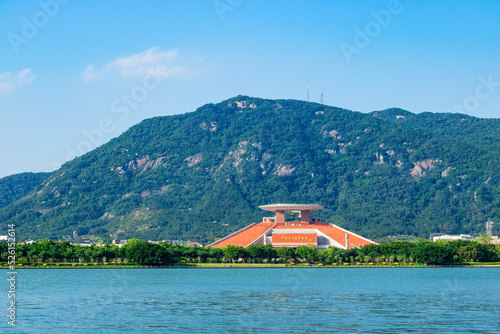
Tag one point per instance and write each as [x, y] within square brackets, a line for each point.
[393, 114]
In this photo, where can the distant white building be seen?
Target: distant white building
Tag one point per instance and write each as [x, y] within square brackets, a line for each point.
[120, 243]
[156, 241]
[84, 244]
[437, 237]
[3, 238]
[195, 244]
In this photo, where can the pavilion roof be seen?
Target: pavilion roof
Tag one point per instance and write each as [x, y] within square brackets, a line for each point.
[291, 207]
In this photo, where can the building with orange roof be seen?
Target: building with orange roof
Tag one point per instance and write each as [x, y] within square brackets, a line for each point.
[292, 226]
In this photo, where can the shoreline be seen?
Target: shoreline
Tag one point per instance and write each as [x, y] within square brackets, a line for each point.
[246, 266]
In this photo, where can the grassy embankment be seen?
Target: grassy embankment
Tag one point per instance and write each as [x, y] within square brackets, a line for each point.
[242, 265]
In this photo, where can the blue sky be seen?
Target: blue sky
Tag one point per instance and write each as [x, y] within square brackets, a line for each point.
[74, 74]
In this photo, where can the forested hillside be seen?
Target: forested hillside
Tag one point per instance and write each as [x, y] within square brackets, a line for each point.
[16, 186]
[202, 175]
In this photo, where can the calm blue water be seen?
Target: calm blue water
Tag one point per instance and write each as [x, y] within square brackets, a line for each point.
[284, 300]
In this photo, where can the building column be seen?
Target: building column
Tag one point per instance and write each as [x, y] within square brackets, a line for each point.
[279, 217]
[304, 217]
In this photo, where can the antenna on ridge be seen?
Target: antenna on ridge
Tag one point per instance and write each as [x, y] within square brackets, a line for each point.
[321, 98]
[307, 93]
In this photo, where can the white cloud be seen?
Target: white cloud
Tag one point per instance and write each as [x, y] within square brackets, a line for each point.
[146, 58]
[162, 63]
[9, 81]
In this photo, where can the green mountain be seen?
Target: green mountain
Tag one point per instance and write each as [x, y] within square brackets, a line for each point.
[202, 175]
[483, 133]
[14, 187]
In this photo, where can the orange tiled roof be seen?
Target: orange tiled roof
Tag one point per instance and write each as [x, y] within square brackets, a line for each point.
[250, 233]
[245, 237]
[338, 234]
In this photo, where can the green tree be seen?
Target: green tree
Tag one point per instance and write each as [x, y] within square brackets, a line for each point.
[468, 253]
[484, 239]
[143, 252]
[234, 252]
[431, 253]
[309, 253]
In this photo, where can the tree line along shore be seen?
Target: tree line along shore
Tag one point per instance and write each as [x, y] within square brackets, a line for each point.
[136, 252]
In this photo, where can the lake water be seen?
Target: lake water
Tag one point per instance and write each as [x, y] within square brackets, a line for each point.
[274, 300]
